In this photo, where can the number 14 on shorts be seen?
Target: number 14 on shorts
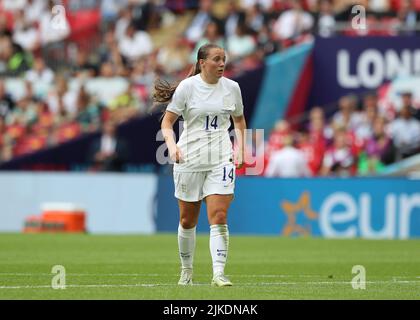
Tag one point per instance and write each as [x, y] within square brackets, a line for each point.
[228, 174]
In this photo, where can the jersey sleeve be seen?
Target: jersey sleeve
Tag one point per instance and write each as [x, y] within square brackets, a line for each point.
[179, 99]
[239, 106]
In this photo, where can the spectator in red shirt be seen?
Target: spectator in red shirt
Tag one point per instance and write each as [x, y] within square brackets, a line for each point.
[281, 129]
[312, 150]
[317, 128]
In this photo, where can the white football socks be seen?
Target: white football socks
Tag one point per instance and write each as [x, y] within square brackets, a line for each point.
[219, 244]
[186, 246]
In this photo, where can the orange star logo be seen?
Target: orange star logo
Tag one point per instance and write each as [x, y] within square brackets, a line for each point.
[293, 209]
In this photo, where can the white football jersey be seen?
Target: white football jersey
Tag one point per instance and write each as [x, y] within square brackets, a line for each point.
[206, 110]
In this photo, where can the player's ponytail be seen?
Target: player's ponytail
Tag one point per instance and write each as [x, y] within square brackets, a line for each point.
[164, 90]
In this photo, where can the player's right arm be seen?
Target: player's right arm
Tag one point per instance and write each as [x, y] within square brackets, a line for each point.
[168, 134]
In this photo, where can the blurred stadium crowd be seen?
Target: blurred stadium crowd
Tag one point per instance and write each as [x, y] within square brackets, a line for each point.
[361, 138]
[63, 66]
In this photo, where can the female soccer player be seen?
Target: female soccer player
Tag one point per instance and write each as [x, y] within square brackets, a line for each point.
[204, 163]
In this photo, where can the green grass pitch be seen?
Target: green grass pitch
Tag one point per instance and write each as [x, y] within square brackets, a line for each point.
[147, 267]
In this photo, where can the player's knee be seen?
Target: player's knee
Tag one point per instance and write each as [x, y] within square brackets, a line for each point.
[219, 216]
[187, 223]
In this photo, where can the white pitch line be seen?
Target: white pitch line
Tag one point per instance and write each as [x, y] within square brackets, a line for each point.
[90, 274]
[207, 284]
[90, 286]
[152, 274]
[175, 274]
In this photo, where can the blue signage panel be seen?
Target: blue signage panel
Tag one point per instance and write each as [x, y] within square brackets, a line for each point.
[374, 208]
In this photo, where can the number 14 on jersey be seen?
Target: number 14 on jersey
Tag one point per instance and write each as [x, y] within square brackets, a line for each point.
[211, 122]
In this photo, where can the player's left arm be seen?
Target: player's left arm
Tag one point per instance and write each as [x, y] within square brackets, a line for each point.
[239, 124]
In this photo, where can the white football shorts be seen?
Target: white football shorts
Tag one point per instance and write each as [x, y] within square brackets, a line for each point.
[195, 186]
